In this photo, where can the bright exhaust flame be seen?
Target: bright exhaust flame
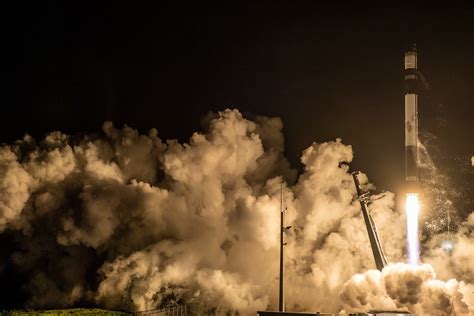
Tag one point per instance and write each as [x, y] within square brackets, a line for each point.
[413, 209]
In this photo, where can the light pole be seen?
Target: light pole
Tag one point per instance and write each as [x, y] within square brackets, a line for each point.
[283, 229]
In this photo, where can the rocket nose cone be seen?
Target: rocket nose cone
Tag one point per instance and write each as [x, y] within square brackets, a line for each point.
[411, 47]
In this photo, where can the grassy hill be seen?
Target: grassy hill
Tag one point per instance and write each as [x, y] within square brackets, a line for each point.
[65, 312]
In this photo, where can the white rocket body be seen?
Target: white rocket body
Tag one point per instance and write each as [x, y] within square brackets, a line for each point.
[411, 120]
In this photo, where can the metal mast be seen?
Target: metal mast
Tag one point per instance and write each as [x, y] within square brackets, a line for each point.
[281, 301]
[283, 229]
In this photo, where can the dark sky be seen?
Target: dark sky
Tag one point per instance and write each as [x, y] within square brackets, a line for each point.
[333, 71]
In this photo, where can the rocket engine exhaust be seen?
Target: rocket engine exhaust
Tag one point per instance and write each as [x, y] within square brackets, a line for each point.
[412, 210]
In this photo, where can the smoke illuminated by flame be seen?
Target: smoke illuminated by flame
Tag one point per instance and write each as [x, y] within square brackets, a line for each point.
[413, 209]
[129, 221]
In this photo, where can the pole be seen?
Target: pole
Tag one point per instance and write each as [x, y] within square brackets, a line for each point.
[281, 303]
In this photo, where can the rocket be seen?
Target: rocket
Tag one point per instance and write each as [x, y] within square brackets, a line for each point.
[411, 120]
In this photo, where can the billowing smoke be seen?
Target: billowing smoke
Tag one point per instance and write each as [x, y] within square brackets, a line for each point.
[408, 287]
[133, 222]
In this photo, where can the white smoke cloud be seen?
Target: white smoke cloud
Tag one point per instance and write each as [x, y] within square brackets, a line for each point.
[455, 262]
[133, 222]
[15, 186]
[403, 287]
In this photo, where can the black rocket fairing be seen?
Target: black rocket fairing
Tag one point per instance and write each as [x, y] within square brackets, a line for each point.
[411, 120]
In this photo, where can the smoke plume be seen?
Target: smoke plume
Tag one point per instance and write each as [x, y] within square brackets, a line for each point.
[130, 221]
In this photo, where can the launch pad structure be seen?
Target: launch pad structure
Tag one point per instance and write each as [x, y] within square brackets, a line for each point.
[375, 244]
[373, 313]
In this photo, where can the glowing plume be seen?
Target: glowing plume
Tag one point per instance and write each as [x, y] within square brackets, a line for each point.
[413, 209]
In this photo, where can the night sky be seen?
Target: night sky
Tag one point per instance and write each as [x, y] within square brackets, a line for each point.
[328, 72]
